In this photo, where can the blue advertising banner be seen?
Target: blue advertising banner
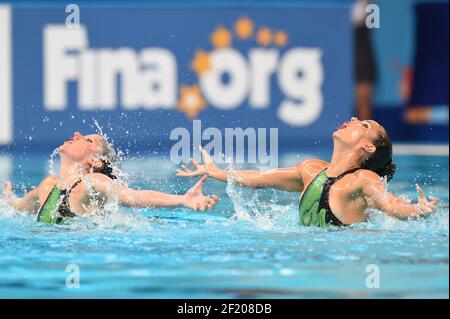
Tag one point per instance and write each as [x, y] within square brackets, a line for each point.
[143, 72]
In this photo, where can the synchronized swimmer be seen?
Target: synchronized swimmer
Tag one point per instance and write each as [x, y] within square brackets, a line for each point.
[336, 193]
[86, 181]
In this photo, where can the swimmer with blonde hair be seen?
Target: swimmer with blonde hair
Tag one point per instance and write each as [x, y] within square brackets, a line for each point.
[86, 180]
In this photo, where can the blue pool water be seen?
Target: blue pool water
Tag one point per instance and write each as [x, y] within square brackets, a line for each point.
[250, 245]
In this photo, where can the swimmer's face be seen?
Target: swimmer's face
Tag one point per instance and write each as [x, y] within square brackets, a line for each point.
[356, 133]
[82, 147]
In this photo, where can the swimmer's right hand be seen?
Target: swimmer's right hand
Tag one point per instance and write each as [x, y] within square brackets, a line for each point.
[7, 191]
[195, 199]
[8, 188]
[200, 169]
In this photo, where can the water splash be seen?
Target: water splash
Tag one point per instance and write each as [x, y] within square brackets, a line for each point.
[115, 156]
[99, 128]
[435, 222]
[268, 214]
[265, 214]
[51, 162]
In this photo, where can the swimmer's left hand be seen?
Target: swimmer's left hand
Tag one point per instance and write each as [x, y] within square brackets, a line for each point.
[424, 205]
[195, 199]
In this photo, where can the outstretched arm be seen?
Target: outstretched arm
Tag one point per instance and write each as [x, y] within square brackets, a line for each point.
[194, 198]
[378, 197]
[288, 179]
[28, 203]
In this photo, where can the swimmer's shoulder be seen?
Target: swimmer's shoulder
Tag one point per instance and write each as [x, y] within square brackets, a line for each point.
[312, 163]
[309, 168]
[49, 181]
[45, 186]
[365, 177]
[366, 174]
[96, 177]
[97, 181]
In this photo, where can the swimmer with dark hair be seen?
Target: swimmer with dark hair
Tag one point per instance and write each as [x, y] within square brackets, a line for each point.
[339, 192]
[86, 181]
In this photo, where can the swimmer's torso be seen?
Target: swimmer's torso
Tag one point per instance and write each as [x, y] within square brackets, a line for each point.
[81, 200]
[345, 195]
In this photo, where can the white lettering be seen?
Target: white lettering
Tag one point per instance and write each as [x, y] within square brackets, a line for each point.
[147, 79]
[226, 96]
[60, 66]
[300, 79]
[158, 79]
[6, 109]
[263, 64]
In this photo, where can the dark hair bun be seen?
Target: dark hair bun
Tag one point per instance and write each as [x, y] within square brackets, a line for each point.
[387, 171]
[106, 169]
[380, 161]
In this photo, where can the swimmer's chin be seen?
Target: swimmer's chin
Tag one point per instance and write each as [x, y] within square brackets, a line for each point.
[63, 145]
[61, 148]
[337, 136]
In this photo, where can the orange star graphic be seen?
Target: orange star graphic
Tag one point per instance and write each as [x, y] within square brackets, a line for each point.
[264, 36]
[191, 100]
[201, 63]
[281, 38]
[221, 37]
[244, 28]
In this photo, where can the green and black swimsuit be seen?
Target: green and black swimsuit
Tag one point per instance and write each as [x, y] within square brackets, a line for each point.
[56, 208]
[314, 208]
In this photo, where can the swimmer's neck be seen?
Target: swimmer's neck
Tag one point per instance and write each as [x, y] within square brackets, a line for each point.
[69, 173]
[343, 160]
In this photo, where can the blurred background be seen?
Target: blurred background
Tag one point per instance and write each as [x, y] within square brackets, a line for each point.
[144, 71]
[144, 68]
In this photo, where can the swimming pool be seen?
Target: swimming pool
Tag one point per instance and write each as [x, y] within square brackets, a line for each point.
[250, 246]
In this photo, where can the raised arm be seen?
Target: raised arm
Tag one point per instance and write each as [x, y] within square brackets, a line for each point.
[289, 179]
[194, 198]
[377, 196]
[28, 203]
